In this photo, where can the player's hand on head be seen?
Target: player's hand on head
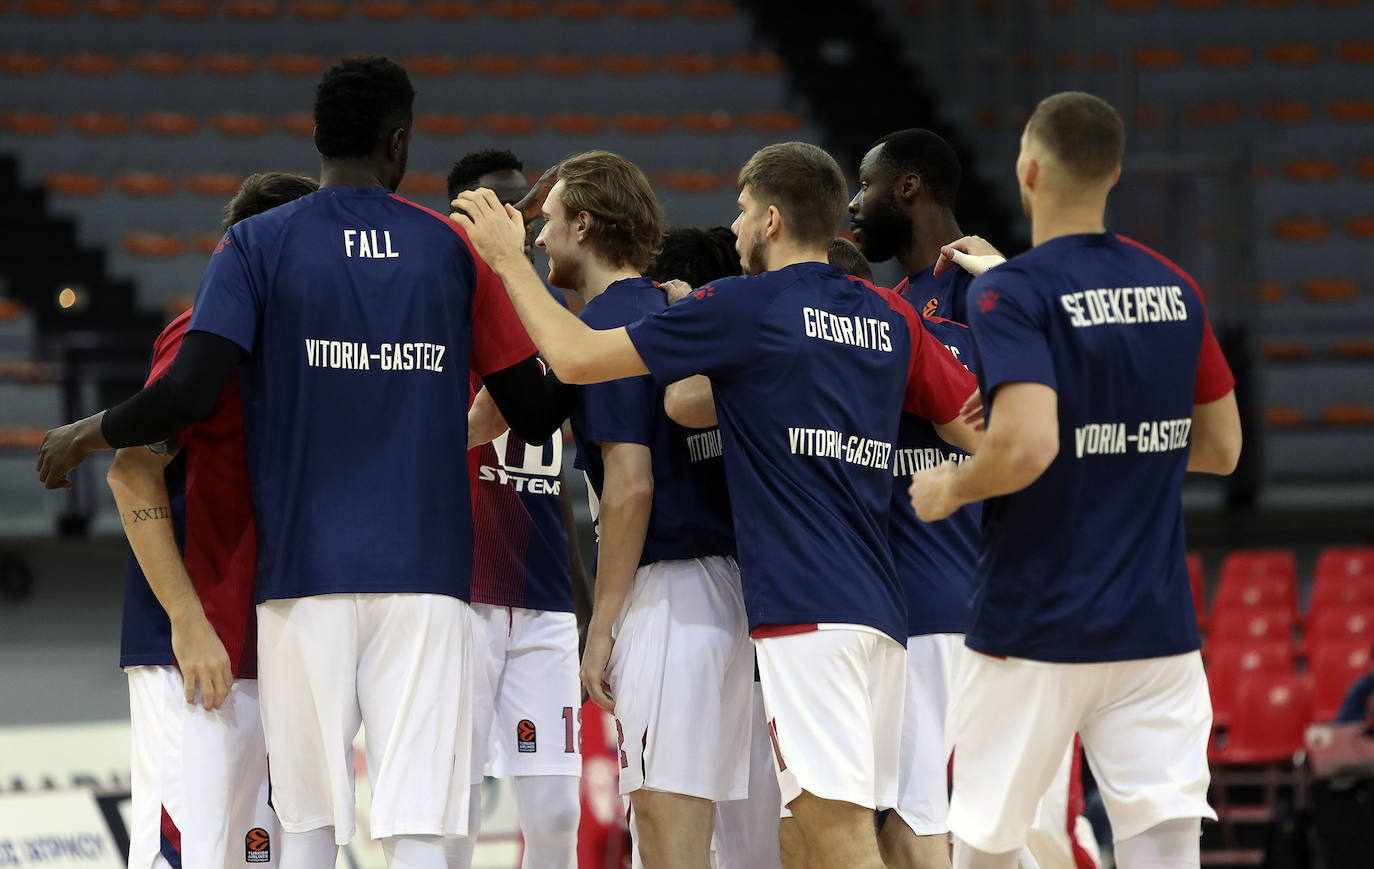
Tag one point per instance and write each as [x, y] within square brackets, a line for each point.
[675, 290]
[494, 229]
[932, 492]
[595, 659]
[203, 661]
[531, 204]
[972, 253]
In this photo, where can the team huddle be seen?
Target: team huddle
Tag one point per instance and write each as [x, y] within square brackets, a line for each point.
[844, 532]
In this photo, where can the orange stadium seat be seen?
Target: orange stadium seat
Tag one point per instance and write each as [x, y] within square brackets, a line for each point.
[29, 123]
[1270, 4]
[161, 64]
[151, 245]
[1200, 5]
[1347, 415]
[689, 180]
[706, 9]
[424, 184]
[1287, 349]
[117, 9]
[563, 65]
[1251, 625]
[252, 10]
[1345, 562]
[1335, 665]
[318, 10]
[443, 124]
[706, 122]
[1148, 117]
[691, 64]
[1361, 227]
[1229, 662]
[650, 9]
[431, 65]
[22, 437]
[297, 123]
[515, 10]
[509, 123]
[169, 123]
[48, 8]
[772, 121]
[1271, 292]
[304, 65]
[1330, 290]
[496, 65]
[1353, 348]
[229, 64]
[1269, 719]
[99, 123]
[238, 124]
[646, 123]
[1156, 57]
[73, 184]
[189, 10]
[91, 64]
[626, 64]
[385, 10]
[1286, 111]
[205, 243]
[1361, 51]
[1219, 111]
[1225, 56]
[24, 370]
[1364, 167]
[1132, 5]
[144, 184]
[580, 10]
[1281, 416]
[23, 63]
[576, 123]
[1311, 169]
[755, 64]
[1302, 229]
[1356, 111]
[219, 185]
[1294, 54]
[449, 10]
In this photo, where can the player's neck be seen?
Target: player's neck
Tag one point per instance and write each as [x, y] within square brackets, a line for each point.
[598, 275]
[931, 231]
[780, 256]
[1055, 218]
[349, 173]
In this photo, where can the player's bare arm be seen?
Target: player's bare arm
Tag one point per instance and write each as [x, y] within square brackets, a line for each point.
[1216, 436]
[690, 403]
[1020, 443]
[965, 431]
[485, 422]
[579, 354]
[972, 253]
[628, 496]
[67, 446]
[140, 491]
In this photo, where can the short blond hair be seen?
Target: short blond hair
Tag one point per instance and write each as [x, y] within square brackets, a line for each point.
[628, 221]
[804, 183]
[1081, 131]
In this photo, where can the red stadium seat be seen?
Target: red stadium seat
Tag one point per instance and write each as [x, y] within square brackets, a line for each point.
[689, 180]
[1345, 561]
[443, 124]
[22, 437]
[1252, 625]
[773, 121]
[1287, 349]
[424, 184]
[1311, 169]
[1334, 666]
[151, 245]
[91, 64]
[48, 8]
[144, 184]
[1356, 52]
[1200, 5]
[707, 9]
[1268, 720]
[1294, 54]
[1282, 416]
[691, 64]
[646, 9]
[1156, 57]
[73, 184]
[1229, 662]
[186, 10]
[1271, 292]
[1330, 290]
[318, 10]
[99, 123]
[1302, 229]
[576, 123]
[1347, 415]
[515, 10]
[497, 65]
[1286, 111]
[449, 10]
[1246, 563]
[1353, 348]
[1354, 111]
[252, 10]
[1198, 586]
[301, 65]
[1263, 592]
[29, 123]
[1225, 56]
[1361, 227]
[229, 64]
[1350, 621]
[297, 123]
[385, 10]
[431, 65]
[169, 123]
[509, 123]
[204, 243]
[755, 64]
[627, 64]
[219, 185]
[1209, 112]
[1270, 4]
[580, 10]
[643, 123]
[563, 65]
[238, 124]
[160, 64]
[706, 122]
[23, 63]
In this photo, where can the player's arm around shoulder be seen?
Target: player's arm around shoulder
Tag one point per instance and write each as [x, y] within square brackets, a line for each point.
[140, 491]
[1216, 436]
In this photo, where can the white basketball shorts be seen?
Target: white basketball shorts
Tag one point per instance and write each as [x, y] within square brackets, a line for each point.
[923, 777]
[834, 702]
[531, 725]
[199, 779]
[400, 664]
[681, 675]
[1061, 838]
[1144, 724]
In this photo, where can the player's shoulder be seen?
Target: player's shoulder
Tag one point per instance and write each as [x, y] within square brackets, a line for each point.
[623, 303]
[1151, 258]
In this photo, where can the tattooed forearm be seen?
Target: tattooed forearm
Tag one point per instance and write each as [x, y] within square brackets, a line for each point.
[147, 513]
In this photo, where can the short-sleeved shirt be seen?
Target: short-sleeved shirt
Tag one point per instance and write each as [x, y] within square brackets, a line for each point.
[811, 370]
[520, 545]
[935, 560]
[356, 309]
[944, 296]
[1088, 562]
[212, 516]
[690, 517]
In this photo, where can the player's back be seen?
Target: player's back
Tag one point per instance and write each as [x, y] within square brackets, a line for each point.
[356, 391]
[1087, 563]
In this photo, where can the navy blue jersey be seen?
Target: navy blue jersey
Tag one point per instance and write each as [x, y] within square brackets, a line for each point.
[811, 370]
[935, 560]
[356, 309]
[1087, 563]
[945, 296]
[691, 509]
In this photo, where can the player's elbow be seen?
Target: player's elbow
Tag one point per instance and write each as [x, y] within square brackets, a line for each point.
[1032, 455]
[687, 409]
[132, 464]
[1218, 454]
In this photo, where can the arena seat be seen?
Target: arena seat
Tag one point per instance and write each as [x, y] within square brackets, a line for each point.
[1347, 415]
[1243, 563]
[1225, 56]
[1335, 665]
[1229, 662]
[1357, 52]
[1290, 54]
[1309, 169]
[144, 184]
[1330, 290]
[1260, 591]
[1345, 561]
[1347, 615]
[1268, 719]
[1287, 349]
[1251, 624]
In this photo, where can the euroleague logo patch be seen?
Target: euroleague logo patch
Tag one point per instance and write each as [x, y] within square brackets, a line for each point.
[525, 742]
[257, 846]
[931, 307]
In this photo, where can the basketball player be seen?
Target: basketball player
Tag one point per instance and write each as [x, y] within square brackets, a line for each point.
[190, 634]
[357, 317]
[1104, 385]
[526, 573]
[787, 350]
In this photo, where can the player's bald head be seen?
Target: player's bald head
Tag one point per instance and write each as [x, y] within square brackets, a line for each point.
[1082, 134]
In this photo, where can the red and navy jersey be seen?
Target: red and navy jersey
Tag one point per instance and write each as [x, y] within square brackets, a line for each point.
[1087, 563]
[213, 518]
[690, 516]
[944, 296]
[357, 308]
[811, 370]
[935, 560]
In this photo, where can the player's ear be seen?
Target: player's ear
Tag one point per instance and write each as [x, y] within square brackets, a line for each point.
[773, 227]
[909, 186]
[583, 225]
[1032, 172]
